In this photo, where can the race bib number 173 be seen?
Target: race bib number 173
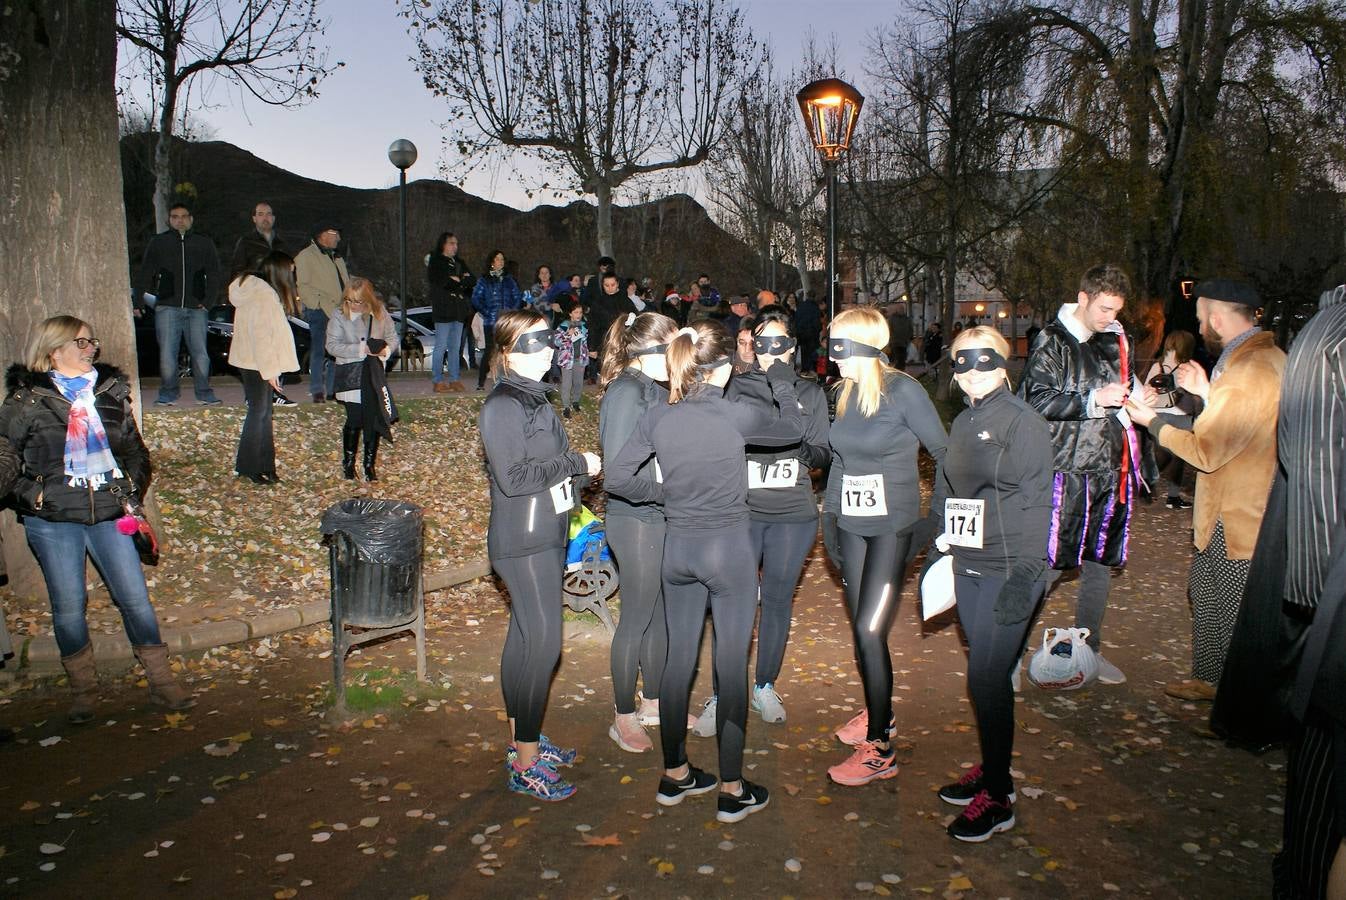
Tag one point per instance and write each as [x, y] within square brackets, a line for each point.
[862, 495]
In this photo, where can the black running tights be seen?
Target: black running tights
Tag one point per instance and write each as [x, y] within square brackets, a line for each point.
[533, 643]
[780, 548]
[714, 570]
[992, 653]
[641, 642]
[871, 573]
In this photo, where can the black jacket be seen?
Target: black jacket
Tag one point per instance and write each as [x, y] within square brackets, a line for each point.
[530, 466]
[449, 298]
[795, 503]
[1060, 375]
[601, 312]
[34, 417]
[1000, 453]
[180, 270]
[629, 396]
[252, 248]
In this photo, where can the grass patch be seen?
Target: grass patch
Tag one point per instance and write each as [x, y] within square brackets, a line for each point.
[383, 689]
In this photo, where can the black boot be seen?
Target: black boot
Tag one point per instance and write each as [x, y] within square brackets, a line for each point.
[371, 455]
[350, 442]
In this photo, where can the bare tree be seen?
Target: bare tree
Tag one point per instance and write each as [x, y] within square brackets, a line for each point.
[268, 48]
[601, 91]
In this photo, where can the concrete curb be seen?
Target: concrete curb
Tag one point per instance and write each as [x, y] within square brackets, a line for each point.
[40, 655]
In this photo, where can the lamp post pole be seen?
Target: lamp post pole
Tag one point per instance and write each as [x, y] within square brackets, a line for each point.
[402, 153]
[832, 275]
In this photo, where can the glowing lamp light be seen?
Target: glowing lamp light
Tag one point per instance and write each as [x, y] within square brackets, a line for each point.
[980, 307]
[830, 107]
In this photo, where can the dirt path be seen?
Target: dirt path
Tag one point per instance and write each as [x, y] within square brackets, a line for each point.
[411, 801]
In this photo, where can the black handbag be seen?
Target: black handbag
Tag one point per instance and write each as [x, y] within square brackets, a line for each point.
[349, 376]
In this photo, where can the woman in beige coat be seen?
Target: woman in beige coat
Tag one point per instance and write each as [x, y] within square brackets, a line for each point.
[262, 349]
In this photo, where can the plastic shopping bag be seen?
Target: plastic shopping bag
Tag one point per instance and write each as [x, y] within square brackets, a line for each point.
[586, 531]
[1065, 662]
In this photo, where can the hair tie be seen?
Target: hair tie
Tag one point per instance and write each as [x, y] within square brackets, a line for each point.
[630, 319]
[690, 332]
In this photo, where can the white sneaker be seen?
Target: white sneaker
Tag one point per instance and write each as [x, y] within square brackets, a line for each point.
[705, 723]
[767, 702]
[1017, 677]
[1108, 673]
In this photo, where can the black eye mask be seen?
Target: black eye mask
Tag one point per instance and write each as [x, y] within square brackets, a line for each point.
[650, 351]
[845, 348]
[983, 359]
[533, 341]
[714, 364]
[773, 345]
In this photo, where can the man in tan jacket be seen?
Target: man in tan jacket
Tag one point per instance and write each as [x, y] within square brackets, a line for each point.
[321, 277]
[1232, 445]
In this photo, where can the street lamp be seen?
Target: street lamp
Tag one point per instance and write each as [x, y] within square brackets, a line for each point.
[830, 107]
[402, 153]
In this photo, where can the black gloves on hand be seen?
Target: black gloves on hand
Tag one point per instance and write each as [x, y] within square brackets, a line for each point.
[780, 372]
[923, 534]
[1019, 595]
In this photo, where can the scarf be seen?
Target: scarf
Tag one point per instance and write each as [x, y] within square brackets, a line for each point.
[88, 456]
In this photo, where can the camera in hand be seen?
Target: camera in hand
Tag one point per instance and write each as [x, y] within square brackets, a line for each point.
[376, 345]
[1164, 382]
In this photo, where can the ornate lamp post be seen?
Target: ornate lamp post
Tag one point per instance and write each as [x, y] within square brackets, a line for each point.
[402, 153]
[830, 107]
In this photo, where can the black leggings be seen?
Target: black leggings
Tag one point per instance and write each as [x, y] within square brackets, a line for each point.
[714, 570]
[356, 418]
[641, 641]
[992, 653]
[485, 353]
[871, 573]
[533, 644]
[257, 443]
[780, 548]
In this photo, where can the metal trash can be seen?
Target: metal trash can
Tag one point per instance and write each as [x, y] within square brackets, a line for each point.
[375, 551]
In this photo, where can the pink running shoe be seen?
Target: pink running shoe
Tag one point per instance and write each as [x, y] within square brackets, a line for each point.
[627, 733]
[856, 731]
[868, 763]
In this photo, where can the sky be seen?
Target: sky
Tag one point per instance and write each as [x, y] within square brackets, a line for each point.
[343, 136]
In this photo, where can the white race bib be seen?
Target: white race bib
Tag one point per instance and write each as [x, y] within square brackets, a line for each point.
[563, 496]
[782, 473]
[862, 495]
[964, 522]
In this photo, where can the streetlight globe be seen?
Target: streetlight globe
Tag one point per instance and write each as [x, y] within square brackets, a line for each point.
[830, 107]
[402, 153]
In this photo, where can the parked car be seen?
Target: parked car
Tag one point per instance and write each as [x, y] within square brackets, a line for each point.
[220, 323]
[147, 345]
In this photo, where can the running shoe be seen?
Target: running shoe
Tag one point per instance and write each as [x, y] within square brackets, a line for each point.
[965, 790]
[766, 701]
[736, 808]
[981, 818]
[548, 752]
[856, 731]
[868, 763]
[1178, 503]
[1108, 673]
[671, 792]
[626, 732]
[705, 723]
[539, 781]
[649, 712]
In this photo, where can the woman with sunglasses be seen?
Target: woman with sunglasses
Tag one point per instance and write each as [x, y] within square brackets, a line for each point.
[995, 496]
[71, 421]
[883, 417]
[632, 369]
[783, 512]
[700, 475]
[530, 467]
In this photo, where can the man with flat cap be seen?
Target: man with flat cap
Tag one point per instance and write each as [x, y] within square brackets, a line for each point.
[1232, 445]
[321, 276]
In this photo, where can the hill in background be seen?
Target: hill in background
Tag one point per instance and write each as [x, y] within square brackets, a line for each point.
[671, 239]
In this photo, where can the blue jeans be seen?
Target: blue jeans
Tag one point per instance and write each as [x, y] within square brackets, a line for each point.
[60, 548]
[321, 367]
[171, 325]
[447, 352]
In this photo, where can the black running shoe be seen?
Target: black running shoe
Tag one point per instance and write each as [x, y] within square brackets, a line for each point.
[737, 808]
[964, 790]
[697, 782]
[983, 817]
[1178, 503]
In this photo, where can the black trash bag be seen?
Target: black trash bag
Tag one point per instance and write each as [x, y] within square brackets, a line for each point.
[385, 531]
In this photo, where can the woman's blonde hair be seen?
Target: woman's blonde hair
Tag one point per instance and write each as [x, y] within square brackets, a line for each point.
[361, 290]
[508, 327]
[49, 336]
[686, 356]
[866, 326]
[982, 336]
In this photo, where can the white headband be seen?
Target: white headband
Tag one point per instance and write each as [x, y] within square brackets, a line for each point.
[630, 319]
[690, 332]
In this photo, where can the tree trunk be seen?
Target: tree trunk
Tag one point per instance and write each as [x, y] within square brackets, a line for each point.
[801, 255]
[62, 222]
[603, 194]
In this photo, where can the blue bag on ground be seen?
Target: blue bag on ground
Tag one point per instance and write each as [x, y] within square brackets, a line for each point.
[585, 529]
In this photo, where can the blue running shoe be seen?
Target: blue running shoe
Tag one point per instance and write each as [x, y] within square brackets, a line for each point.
[556, 756]
[540, 781]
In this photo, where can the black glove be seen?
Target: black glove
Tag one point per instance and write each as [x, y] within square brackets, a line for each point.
[780, 373]
[923, 534]
[1019, 595]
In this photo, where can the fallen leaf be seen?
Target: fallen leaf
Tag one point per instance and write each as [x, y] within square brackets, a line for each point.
[960, 883]
[369, 821]
[242, 737]
[50, 849]
[606, 840]
[29, 806]
[664, 868]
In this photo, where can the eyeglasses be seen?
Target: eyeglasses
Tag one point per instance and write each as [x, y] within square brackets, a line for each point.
[86, 343]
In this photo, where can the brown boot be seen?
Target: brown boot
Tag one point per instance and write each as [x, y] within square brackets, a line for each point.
[164, 688]
[79, 668]
[442, 388]
[1191, 689]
